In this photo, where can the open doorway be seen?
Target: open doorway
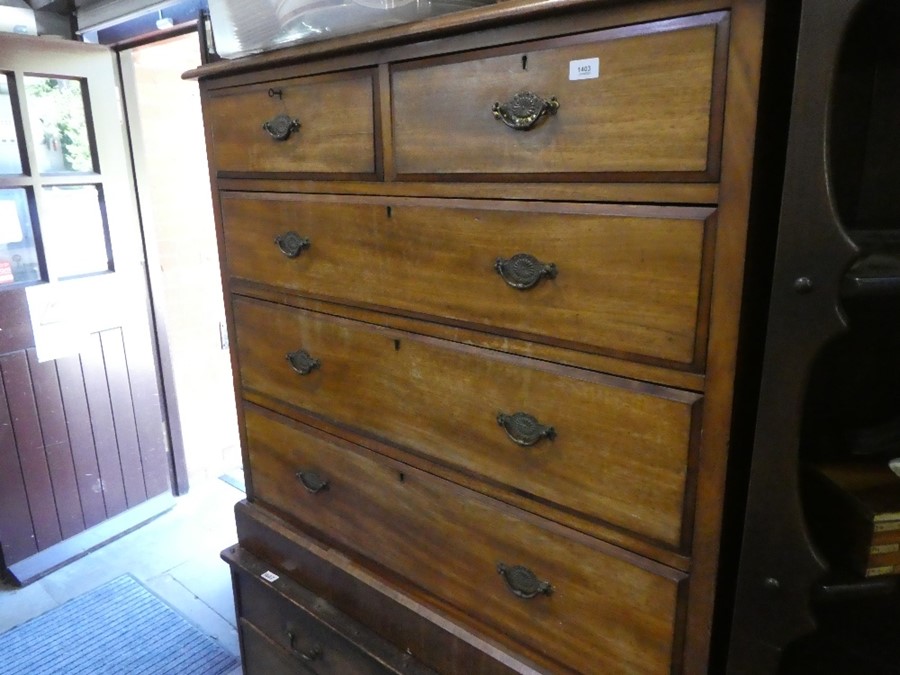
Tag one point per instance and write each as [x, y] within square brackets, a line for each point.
[89, 419]
[172, 178]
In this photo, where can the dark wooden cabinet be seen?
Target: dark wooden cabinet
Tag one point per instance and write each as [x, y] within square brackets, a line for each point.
[830, 390]
[485, 318]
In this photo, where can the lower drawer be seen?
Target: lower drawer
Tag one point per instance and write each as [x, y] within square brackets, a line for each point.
[286, 628]
[620, 451]
[558, 597]
[261, 656]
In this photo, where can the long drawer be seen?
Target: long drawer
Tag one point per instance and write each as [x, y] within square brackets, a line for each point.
[624, 279]
[282, 617]
[587, 608]
[311, 125]
[642, 99]
[619, 450]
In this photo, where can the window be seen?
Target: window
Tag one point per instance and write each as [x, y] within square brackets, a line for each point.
[53, 222]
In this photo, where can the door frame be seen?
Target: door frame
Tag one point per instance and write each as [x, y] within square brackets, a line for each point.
[171, 412]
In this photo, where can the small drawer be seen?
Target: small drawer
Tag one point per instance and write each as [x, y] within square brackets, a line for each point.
[602, 448]
[624, 280]
[643, 100]
[304, 631]
[312, 125]
[575, 602]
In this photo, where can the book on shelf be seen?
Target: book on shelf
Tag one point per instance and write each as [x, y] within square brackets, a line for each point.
[854, 512]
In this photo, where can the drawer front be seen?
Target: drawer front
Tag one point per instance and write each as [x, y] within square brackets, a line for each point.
[606, 611]
[261, 656]
[628, 280]
[649, 102]
[619, 449]
[296, 632]
[335, 115]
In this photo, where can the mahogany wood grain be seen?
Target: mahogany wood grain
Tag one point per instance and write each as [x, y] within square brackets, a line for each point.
[16, 531]
[737, 175]
[30, 448]
[299, 623]
[620, 454]
[404, 519]
[336, 134]
[629, 278]
[484, 37]
[655, 373]
[385, 124]
[648, 110]
[634, 193]
[429, 635]
[602, 531]
[55, 436]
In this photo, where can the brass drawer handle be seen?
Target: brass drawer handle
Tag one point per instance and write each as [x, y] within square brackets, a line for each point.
[312, 481]
[523, 111]
[523, 582]
[523, 271]
[524, 429]
[302, 362]
[310, 654]
[292, 244]
[281, 127]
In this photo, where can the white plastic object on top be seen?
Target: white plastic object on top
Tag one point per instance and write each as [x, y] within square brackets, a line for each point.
[242, 27]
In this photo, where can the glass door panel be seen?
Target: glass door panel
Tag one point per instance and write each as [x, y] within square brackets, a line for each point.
[74, 225]
[19, 251]
[57, 111]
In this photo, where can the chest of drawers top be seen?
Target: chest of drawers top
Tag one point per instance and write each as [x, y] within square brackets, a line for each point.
[577, 98]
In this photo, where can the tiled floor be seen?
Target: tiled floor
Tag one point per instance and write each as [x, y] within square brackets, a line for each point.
[176, 556]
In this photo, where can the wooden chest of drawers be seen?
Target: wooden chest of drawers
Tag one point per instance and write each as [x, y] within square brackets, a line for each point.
[485, 277]
[285, 629]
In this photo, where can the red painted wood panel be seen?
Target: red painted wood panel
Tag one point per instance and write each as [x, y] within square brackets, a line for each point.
[57, 448]
[30, 448]
[16, 533]
[101, 417]
[16, 334]
[147, 410]
[123, 416]
[81, 439]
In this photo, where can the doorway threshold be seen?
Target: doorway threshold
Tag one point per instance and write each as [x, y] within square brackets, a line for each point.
[42, 563]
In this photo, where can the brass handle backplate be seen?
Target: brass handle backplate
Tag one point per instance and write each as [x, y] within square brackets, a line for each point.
[524, 429]
[310, 654]
[281, 127]
[312, 481]
[302, 362]
[523, 582]
[524, 110]
[292, 244]
[523, 271]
